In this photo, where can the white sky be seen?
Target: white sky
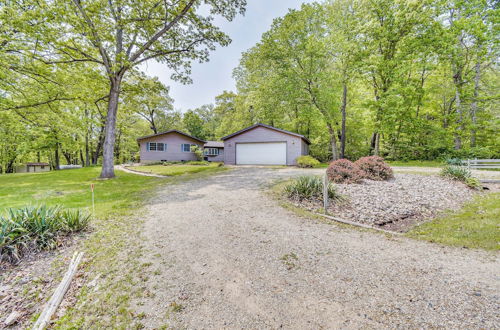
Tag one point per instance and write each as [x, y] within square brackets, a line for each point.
[215, 76]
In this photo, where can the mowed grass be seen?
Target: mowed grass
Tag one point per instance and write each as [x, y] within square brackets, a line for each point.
[173, 170]
[476, 225]
[71, 189]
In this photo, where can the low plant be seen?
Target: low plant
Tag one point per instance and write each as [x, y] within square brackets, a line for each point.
[455, 172]
[36, 228]
[462, 174]
[455, 161]
[309, 187]
[344, 171]
[375, 168]
[307, 161]
[473, 183]
[198, 162]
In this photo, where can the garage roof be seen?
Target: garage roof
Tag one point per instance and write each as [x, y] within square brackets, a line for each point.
[269, 127]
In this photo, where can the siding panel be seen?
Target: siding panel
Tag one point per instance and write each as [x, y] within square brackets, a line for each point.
[173, 153]
[262, 134]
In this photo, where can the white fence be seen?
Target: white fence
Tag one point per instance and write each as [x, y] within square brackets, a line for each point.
[479, 164]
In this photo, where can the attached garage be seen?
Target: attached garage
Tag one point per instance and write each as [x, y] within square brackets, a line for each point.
[270, 153]
[262, 144]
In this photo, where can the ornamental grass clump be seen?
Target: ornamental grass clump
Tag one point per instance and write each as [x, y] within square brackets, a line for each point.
[375, 168]
[309, 187]
[344, 171]
[462, 174]
[36, 228]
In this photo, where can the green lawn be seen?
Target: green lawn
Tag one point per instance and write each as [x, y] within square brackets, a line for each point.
[474, 226]
[71, 188]
[113, 246]
[172, 170]
[417, 163]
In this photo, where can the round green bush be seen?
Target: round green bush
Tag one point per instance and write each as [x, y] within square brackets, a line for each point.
[307, 161]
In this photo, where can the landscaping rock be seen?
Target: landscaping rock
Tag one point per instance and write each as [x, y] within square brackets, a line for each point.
[12, 318]
[401, 202]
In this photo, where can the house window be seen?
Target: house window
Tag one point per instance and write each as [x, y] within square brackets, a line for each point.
[211, 151]
[154, 146]
[186, 147]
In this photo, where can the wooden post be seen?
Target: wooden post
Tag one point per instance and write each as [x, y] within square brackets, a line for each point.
[44, 318]
[325, 193]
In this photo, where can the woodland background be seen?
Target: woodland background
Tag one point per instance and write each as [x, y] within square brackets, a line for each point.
[402, 79]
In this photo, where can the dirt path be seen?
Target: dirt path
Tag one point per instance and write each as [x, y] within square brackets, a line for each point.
[226, 255]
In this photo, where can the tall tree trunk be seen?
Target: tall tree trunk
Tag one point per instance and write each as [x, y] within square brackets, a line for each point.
[87, 150]
[458, 138]
[56, 157]
[108, 170]
[100, 142]
[473, 108]
[82, 161]
[38, 158]
[376, 150]
[344, 116]
[333, 142]
[67, 155]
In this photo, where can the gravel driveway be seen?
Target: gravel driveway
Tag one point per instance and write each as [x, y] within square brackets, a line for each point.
[226, 255]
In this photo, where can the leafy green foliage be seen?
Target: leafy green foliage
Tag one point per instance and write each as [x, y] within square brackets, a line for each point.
[36, 227]
[307, 161]
[375, 168]
[456, 172]
[198, 151]
[344, 171]
[309, 187]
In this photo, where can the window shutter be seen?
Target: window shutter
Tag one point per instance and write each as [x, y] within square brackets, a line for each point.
[147, 146]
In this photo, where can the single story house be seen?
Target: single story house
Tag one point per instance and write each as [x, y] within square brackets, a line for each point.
[171, 145]
[33, 168]
[262, 144]
[258, 144]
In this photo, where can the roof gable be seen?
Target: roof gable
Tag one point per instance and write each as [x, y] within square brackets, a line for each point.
[268, 127]
[171, 131]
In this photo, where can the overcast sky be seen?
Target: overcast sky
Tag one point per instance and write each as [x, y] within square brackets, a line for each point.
[215, 76]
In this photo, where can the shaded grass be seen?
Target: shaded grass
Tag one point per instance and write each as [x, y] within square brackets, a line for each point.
[172, 170]
[476, 225]
[113, 251]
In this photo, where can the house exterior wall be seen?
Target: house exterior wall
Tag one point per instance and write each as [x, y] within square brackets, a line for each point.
[218, 158]
[32, 169]
[173, 141]
[304, 148]
[294, 146]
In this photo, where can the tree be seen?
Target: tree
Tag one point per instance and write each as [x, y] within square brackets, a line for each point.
[119, 35]
[194, 124]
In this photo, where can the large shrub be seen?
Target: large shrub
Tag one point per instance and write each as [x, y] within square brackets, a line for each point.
[309, 187]
[375, 168]
[36, 228]
[344, 171]
[307, 161]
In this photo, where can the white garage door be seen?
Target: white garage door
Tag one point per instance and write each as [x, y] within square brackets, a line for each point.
[261, 153]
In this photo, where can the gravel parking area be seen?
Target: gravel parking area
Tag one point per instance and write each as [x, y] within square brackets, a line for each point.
[399, 203]
[227, 256]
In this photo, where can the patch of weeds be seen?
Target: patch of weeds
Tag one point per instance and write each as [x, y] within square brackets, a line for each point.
[289, 260]
[175, 307]
[157, 272]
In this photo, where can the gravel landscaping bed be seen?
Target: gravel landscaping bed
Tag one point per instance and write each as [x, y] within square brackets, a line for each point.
[400, 203]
